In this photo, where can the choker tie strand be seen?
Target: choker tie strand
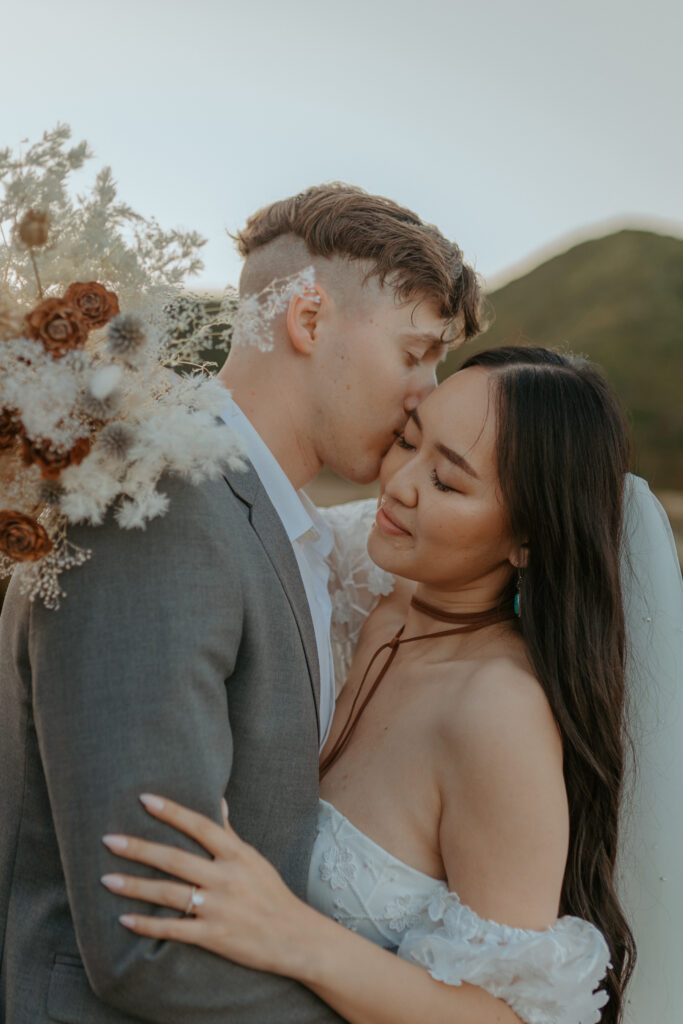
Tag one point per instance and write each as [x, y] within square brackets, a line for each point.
[467, 622]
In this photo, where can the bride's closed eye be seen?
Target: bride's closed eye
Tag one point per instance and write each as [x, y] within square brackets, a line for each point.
[402, 443]
[440, 485]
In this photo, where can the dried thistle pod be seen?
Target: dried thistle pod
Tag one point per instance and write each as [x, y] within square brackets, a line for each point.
[116, 440]
[126, 336]
[33, 228]
[51, 492]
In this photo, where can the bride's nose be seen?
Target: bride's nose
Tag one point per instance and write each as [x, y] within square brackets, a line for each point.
[401, 486]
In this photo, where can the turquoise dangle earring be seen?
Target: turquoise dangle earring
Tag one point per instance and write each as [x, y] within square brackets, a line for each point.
[517, 604]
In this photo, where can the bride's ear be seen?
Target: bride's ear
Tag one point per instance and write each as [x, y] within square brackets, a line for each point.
[520, 556]
[303, 314]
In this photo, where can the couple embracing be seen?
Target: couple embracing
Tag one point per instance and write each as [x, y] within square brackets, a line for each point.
[194, 828]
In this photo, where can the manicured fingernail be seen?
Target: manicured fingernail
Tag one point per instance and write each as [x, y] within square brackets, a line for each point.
[115, 842]
[154, 803]
[224, 806]
[113, 881]
[127, 921]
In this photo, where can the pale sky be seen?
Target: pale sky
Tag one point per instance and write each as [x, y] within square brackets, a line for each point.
[511, 125]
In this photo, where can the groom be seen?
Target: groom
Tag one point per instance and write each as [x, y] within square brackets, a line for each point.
[193, 659]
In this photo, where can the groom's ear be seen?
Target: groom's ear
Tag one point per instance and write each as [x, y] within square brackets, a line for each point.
[303, 315]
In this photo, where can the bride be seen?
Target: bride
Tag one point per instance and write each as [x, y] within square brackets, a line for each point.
[471, 786]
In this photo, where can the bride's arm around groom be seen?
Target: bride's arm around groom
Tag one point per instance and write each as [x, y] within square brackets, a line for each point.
[165, 669]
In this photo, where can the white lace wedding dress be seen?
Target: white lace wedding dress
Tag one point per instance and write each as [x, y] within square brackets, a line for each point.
[547, 977]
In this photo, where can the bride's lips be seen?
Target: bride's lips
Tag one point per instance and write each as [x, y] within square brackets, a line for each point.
[388, 524]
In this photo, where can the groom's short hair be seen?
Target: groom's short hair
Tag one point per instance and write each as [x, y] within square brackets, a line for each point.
[412, 257]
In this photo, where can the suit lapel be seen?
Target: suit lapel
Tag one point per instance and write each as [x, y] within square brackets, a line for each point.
[270, 531]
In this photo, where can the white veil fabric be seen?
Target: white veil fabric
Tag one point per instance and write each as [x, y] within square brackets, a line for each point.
[650, 869]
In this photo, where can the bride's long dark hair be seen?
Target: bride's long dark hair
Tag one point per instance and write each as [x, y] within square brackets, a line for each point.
[563, 453]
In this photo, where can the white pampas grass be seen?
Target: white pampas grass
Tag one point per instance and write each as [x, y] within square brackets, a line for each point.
[136, 512]
[104, 381]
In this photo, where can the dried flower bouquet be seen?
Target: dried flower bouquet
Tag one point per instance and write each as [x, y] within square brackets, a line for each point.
[92, 413]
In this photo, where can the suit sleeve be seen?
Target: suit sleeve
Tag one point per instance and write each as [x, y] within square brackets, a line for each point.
[130, 695]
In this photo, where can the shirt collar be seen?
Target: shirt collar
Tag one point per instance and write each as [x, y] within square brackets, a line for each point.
[297, 512]
[321, 532]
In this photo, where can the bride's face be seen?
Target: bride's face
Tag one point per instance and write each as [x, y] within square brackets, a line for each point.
[441, 519]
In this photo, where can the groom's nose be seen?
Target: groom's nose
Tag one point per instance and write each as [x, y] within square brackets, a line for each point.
[421, 385]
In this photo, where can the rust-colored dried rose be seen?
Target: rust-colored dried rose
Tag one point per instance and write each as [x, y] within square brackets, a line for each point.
[92, 300]
[10, 426]
[23, 539]
[53, 460]
[33, 228]
[58, 325]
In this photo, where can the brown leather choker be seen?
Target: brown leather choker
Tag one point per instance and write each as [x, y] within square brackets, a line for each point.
[467, 622]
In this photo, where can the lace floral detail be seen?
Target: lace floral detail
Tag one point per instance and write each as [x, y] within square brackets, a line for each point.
[379, 896]
[342, 608]
[403, 912]
[338, 866]
[546, 977]
[342, 915]
[379, 581]
[356, 583]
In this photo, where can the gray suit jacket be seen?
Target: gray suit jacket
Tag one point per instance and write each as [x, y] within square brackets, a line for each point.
[183, 662]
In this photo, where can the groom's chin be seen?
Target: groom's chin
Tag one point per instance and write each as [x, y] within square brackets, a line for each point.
[360, 471]
[363, 475]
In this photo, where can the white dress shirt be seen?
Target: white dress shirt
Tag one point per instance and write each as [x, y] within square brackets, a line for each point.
[311, 539]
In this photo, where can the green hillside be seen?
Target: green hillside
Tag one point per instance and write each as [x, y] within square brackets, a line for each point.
[618, 300]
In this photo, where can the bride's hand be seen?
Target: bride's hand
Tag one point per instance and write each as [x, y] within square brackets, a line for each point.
[235, 905]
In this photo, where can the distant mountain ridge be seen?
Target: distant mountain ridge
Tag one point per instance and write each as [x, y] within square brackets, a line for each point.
[619, 301]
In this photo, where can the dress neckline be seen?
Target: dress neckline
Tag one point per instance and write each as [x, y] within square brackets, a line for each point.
[385, 853]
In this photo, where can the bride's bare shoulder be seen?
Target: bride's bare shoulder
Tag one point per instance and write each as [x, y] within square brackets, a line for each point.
[504, 824]
[501, 705]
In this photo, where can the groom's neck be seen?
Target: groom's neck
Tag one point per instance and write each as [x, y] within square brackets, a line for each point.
[279, 415]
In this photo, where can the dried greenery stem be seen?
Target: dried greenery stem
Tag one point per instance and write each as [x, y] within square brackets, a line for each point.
[35, 271]
[5, 275]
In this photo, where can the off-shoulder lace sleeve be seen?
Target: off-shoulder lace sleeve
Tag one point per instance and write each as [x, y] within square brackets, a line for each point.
[546, 977]
[356, 583]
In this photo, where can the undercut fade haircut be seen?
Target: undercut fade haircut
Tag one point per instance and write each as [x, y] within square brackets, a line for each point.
[413, 258]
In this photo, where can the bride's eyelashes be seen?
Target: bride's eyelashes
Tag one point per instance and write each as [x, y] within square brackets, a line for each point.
[440, 486]
[402, 443]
